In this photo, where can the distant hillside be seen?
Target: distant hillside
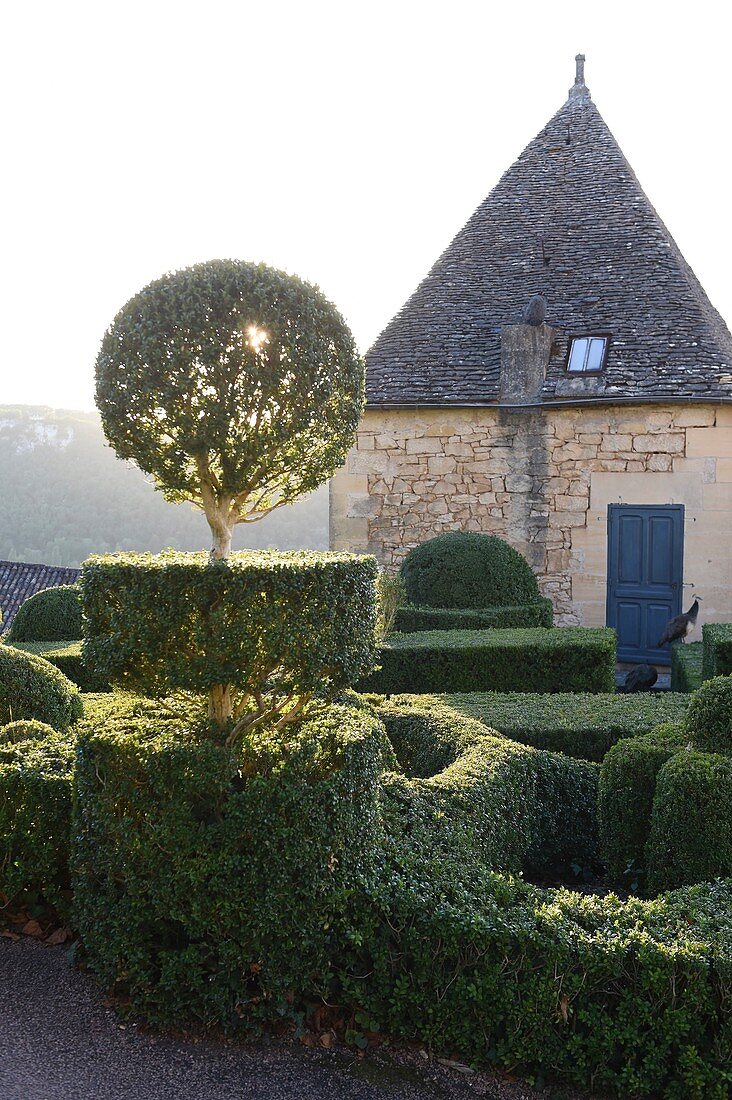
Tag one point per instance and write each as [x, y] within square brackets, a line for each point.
[64, 494]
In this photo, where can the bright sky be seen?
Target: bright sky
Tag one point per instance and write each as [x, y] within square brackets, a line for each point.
[343, 141]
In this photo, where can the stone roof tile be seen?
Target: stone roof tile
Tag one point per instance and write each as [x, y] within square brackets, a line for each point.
[568, 220]
[20, 580]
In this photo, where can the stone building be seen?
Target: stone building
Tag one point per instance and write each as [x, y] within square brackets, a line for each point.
[599, 442]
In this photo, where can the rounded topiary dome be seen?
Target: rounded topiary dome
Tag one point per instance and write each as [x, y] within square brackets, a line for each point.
[52, 615]
[709, 717]
[464, 569]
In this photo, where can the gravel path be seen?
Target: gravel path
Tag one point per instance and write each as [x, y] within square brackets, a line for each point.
[58, 1042]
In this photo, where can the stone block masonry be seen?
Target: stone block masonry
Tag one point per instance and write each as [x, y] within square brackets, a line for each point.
[542, 478]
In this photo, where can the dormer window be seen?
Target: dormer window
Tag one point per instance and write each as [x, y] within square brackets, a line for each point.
[587, 354]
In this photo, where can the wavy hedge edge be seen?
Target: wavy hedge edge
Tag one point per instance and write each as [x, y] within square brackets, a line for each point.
[630, 996]
[581, 725]
[67, 657]
[633, 997]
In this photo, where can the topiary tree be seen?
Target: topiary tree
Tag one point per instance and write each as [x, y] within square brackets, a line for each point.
[236, 386]
[51, 615]
[468, 570]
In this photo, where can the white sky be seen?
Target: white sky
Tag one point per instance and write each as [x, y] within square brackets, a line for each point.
[344, 141]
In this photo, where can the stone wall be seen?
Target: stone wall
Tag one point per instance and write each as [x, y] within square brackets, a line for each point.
[542, 479]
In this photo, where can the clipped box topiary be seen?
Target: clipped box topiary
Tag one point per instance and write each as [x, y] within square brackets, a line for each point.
[462, 569]
[36, 765]
[717, 644]
[625, 797]
[208, 879]
[32, 688]
[709, 718]
[272, 630]
[690, 838]
[67, 657]
[49, 616]
[560, 659]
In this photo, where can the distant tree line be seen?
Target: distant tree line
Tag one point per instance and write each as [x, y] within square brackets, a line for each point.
[64, 495]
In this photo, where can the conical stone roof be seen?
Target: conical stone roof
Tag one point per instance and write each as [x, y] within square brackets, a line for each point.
[568, 220]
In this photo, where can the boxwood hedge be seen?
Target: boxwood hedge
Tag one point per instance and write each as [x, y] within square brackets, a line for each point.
[690, 837]
[222, 886]
[467, 569]
[632, 997]
[625, 799]
[67, 656]
[36, 764]
[686, 666]
[506, 806]
[207, 880]
[539, 660]
[410, 619]
[48, 615]
[32, 688]
[580, 725]
[717, 643]
[289, 623]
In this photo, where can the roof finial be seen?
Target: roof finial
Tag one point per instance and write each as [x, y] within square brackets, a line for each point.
[580, 74]
[579, 89]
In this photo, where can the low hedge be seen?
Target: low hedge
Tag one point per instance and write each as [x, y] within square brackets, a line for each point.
[538, 613]
[207, 880]
[48, 615]
[686, 666]
[67, 657]
[265, 622]
[32, 688]
[690, 838]
[632, 997]
[538, 660]
[36, 765]
[580, 725]
[485, 799]
[717, 642]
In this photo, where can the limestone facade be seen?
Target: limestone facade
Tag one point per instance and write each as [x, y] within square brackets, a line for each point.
[542, 478]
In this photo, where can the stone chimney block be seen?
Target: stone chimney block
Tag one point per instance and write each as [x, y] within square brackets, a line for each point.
[525, 351]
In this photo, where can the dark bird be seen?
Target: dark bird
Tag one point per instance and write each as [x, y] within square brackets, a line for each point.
[640, 678]
[535, 312]
[679, 628]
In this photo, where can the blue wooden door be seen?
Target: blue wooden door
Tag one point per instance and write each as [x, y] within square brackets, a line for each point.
[645, 566]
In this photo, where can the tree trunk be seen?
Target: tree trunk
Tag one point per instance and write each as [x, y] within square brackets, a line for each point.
[221, 543]
[220, 704]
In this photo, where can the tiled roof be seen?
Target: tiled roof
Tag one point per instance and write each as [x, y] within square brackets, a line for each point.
[568, 220]
[19, 580]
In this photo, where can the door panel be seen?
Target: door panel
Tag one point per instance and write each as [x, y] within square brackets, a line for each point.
[645, 570]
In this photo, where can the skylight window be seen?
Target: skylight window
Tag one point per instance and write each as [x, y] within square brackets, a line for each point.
[587, 354]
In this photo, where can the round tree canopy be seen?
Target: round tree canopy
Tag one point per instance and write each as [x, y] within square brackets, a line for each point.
[463, 569]
[236, 386]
